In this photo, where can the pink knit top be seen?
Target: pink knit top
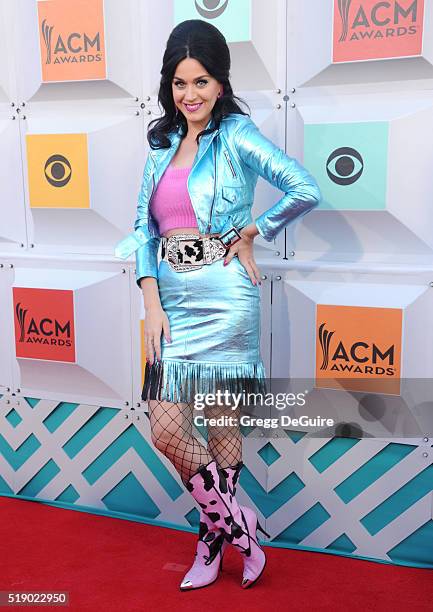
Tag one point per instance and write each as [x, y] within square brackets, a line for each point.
[171, 205]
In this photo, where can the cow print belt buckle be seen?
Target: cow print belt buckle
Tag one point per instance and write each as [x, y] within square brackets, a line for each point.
[185, 252]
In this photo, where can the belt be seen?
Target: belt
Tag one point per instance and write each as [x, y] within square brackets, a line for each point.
[185, 252]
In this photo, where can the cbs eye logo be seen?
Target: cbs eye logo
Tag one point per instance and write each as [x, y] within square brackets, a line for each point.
[58, 171]
[211, 9]
[345, 166]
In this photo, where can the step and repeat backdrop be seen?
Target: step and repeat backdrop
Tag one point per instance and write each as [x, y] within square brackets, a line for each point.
[346, 87]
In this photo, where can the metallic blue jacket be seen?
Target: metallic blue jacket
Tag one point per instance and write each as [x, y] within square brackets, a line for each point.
[222, 182]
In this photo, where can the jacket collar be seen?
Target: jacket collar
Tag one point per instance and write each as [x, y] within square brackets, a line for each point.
[165, 155]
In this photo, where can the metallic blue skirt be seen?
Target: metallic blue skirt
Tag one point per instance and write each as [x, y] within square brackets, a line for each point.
[214, 316]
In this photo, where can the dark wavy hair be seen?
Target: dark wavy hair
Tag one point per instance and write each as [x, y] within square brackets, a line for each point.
[203, 42]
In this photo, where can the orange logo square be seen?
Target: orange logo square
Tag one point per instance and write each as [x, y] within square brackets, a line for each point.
[358, 348]
[58, 170]
[44, 324]
[72, 40]
[372, 29]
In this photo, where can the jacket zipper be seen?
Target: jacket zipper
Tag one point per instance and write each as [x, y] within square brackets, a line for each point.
[229, 161]
[214, 187]
[150, 200]
[153, 188]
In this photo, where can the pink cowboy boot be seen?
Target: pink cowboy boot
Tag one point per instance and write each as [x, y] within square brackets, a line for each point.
[209, 488]
[210, 546]
[232, 477]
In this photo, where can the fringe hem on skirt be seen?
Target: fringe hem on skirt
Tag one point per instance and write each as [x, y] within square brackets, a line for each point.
[179, 381]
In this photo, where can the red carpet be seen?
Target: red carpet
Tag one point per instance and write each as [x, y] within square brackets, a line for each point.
[111, 564]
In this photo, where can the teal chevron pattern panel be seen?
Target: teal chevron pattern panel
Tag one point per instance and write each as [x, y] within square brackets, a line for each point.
[366, 498]
[418, 545]
[342, 544]
[372, 470]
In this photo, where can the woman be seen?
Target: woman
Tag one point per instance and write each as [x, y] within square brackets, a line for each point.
[202, 303]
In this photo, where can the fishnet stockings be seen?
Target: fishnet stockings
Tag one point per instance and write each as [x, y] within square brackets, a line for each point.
[171, 429]
[224, 442]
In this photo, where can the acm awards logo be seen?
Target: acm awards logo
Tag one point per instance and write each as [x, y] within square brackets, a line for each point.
[369, 29]
[370, 21]
[72, 40]
[75, 47]
[42, 330]
[358, 348]
[345, 166]
[44, 323]
[211, 9]
[355, 356]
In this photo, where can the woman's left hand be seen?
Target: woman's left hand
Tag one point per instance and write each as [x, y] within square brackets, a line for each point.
[244, 250]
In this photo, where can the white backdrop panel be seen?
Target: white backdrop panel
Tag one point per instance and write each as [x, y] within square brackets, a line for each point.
[372, 52]
[13, 233]
[378, 208]
[397, 409]
[271, 122]
[6, 331]
[94, 298]
[94, 213]
[117, 23]
[254, 30]
[7, 86]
